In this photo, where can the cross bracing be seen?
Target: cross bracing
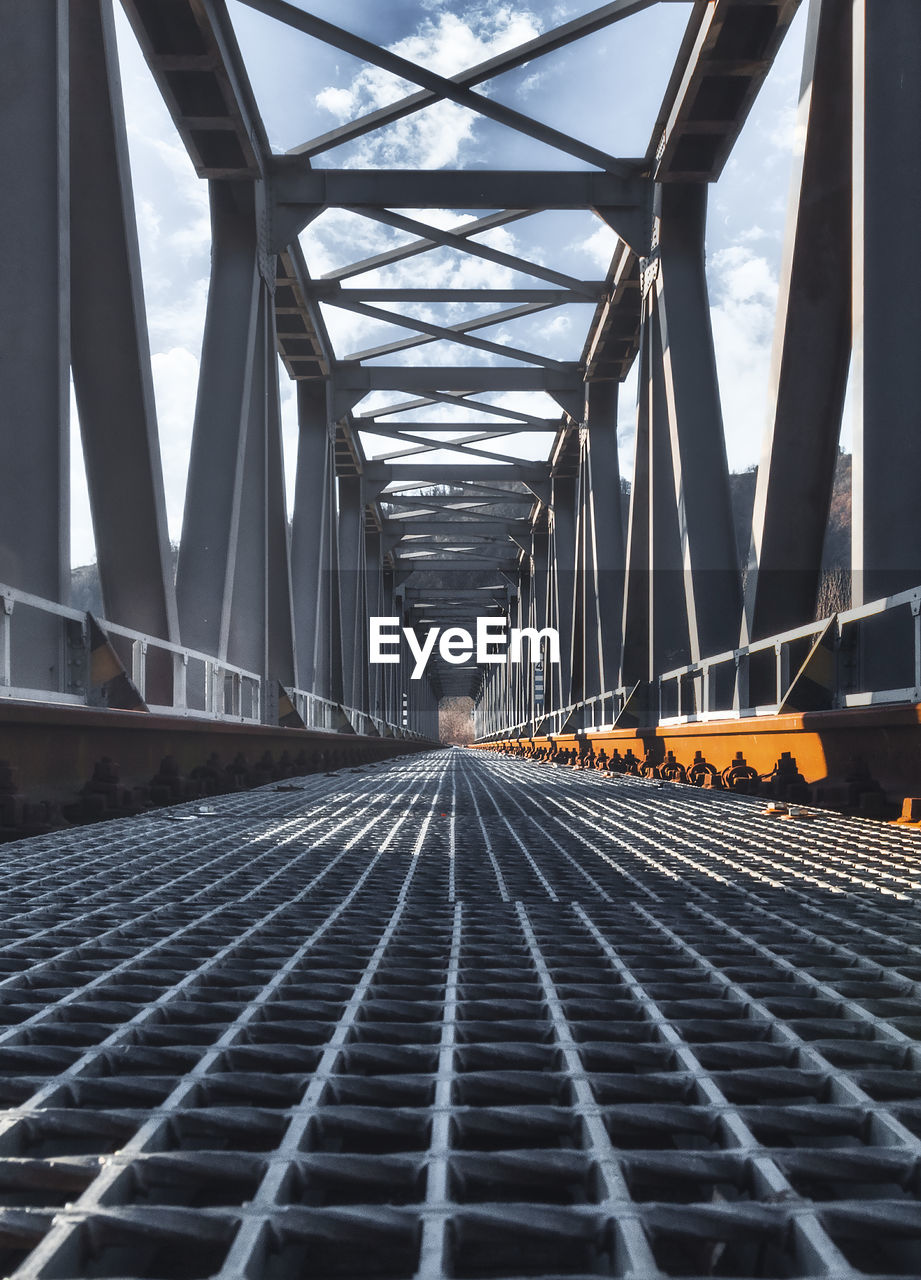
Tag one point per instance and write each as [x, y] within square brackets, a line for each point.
[459, 447]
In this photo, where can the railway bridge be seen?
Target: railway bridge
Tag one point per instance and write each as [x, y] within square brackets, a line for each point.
[628, 985]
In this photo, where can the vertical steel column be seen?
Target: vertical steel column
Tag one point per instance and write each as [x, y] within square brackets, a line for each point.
[701, 472]
[35, 322]
[261, 635]
[351, 558]
[413, 698]
[580, 571]
[281, 656]
[655, 602]
[526, 670]
[432, 714]
[372, 607]
[562, 576]
[812, 338]
[500, 678]
[516, 700]
[247, 640]
[634, 662]
[309, 535]
[606, 552]
[389, 672]
[410, 703]
[887, 297]
[111, 354]
[401, 671]
[330, 650]
[540, 593]
[669, 602]
[541, 578]
[208, 550]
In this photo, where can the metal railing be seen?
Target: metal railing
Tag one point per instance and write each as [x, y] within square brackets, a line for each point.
[334, 717]
[169, 679]
[872, 657]
[200, 684]
[595, 713]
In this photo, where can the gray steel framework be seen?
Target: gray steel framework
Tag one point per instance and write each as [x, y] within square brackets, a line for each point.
[539, 543]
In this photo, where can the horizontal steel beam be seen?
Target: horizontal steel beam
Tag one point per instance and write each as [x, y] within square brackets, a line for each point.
[497, 429]
[349, 376]
[327, 292]
[453, 528]
[460, 401]
[294, 183]
[452, 473]
[453, 563]
[449, 594]
[473, 505]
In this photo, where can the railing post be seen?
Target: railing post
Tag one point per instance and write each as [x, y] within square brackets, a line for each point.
[214, 686]
[139, 666]
[740, 693]
[782, 668]
[77, 657]
[6, 627]
[916, 627]
[180, 681]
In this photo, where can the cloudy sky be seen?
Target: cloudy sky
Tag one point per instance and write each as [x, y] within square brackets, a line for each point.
[605, 90]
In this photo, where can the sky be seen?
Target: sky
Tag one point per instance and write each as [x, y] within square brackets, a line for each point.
[604, 90]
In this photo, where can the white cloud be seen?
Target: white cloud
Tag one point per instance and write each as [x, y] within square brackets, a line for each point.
[600, 245]
[785, 131]
[532, 82]
[755, 234]
[338, 102]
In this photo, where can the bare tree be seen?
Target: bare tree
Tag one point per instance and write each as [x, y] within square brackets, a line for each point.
[834, 592]
[455, 721]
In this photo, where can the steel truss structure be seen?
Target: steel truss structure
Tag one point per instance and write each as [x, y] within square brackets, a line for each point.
[286, 613]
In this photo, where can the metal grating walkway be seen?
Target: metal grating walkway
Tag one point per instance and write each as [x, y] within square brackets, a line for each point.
[466, 1016]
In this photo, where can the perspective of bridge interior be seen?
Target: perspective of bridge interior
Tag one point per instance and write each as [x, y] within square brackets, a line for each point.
[340, 343]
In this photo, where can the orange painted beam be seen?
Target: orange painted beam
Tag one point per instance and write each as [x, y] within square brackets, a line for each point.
[862, 759]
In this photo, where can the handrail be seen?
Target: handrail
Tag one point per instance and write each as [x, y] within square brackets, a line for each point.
[690, 694]
[224, 690]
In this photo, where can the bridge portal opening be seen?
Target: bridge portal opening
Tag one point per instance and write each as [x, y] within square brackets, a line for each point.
[455, 721]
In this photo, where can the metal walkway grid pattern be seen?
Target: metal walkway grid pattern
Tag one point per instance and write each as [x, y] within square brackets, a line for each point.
[464, 1016]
